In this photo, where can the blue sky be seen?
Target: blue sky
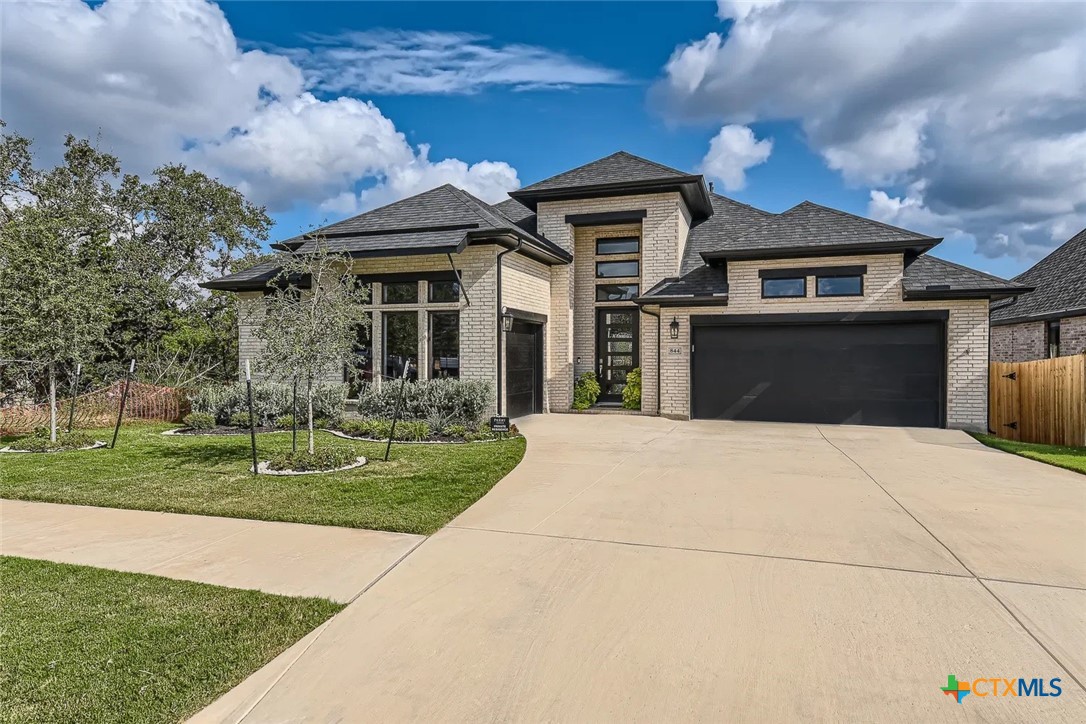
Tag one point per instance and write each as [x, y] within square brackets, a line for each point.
[965, 120]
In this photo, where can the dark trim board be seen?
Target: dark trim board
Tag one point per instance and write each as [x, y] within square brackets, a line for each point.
[916, 246]
[607, 218]
[814, 271]
[525, 316]
[391, 278]
[732, 320]
[1066, 314]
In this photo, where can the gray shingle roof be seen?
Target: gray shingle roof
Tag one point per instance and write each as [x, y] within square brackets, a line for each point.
[1059, 282]
[932, 275]
[730, 218]
[620, 167]
[519, 214]
[704, 281]
[441, 218]
[811, 227]
[255, 277]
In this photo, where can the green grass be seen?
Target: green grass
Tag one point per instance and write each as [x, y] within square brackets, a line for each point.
[89, 645]
[419, 490]
[1072, 458]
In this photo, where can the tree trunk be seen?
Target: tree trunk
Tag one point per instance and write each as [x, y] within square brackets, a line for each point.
[309, 401]
[53, 401]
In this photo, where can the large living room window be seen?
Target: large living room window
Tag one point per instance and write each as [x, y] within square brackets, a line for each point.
[444, 344]
[612, 269]
[359, 368]
[401, 337]
[400, 292]
[785, 287]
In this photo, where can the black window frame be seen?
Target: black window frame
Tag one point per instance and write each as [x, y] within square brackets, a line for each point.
[820, 277]
[434, 284]
[636, 292]
[801, 295]
[413, 371]
[1052, 347]
[612, 239]
[385, 286]
[635, 275]
[430, 317]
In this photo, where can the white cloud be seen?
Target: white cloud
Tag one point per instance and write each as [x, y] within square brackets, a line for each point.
[972, 113]
[420, 62]
[167, 81]
[731, 153]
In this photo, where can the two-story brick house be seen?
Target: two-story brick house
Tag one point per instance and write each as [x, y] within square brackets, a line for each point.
[730, 312]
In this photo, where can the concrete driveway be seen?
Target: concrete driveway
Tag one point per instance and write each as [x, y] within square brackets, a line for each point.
[639, 569]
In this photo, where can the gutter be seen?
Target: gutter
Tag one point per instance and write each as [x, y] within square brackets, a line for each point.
[498, 317]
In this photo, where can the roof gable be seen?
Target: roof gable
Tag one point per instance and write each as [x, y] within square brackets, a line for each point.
[1059, 282]
[931, 277]
[730, 218]
[620, 167]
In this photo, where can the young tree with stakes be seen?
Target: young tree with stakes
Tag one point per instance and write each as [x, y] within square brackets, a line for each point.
[310, 319]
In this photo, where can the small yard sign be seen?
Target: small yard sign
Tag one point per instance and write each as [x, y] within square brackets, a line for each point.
[499, 424]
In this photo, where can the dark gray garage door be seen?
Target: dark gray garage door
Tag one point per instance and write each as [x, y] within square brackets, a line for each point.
[859, 374]
[524, 362]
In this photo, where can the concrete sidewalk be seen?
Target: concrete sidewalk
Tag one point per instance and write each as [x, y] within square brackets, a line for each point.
[284, 558]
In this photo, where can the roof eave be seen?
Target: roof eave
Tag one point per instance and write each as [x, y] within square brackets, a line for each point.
[692, 187]
[918, 246]
[683, 301]
[993, 294]
[1040, 317]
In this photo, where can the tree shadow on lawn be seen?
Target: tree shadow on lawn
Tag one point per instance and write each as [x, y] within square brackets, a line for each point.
[205, 454]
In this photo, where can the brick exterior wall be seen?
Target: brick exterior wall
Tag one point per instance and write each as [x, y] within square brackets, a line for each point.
[1073, 335]
[967, 329]
[1018, 342]
[526, 285]
[572, 324]
[1027, 341]
[478, 319]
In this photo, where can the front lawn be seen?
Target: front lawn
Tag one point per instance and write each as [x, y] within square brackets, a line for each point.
[86, 644]
[419, 490]
[1072, 458]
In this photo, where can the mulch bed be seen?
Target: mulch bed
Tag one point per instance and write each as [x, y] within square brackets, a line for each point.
[223, 430]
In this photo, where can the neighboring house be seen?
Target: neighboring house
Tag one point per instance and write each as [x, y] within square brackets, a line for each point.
[1050, 321]
[731, 312]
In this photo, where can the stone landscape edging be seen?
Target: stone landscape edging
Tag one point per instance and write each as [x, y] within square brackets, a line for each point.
[345, 436]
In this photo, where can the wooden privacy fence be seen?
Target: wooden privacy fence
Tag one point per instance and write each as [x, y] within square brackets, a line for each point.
[99, 408]
[1043, 401]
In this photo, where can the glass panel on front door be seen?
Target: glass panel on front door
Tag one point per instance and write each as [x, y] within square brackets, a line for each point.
[616, 350]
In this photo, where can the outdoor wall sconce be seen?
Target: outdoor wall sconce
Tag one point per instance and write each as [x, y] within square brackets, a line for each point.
[674, 328]
[507, 320]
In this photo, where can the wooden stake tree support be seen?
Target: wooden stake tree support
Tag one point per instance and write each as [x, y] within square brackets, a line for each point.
[124, 399]
[252, 417]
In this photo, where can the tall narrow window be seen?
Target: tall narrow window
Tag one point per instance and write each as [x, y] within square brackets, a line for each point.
[444, 344]
[401, 337]
[359, 367]
[1052, 338]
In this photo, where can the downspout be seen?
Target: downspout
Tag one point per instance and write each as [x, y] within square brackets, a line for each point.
[499, 318]
[659, 358]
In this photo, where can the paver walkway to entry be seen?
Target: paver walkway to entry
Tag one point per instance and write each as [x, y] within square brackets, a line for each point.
[284, 558]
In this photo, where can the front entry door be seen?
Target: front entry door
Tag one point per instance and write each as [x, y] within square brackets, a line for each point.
[616, 349]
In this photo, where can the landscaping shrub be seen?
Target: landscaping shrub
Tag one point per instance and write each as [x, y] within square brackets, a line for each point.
[439, 402]
[631, 393]
[65, 441]
[240, 419]
[271, 400]
[325, 458]
[455, 431]
[357, 428]
[380, 429]
[199, 420]
[412, 430]
[586, 391]
[284, 422]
